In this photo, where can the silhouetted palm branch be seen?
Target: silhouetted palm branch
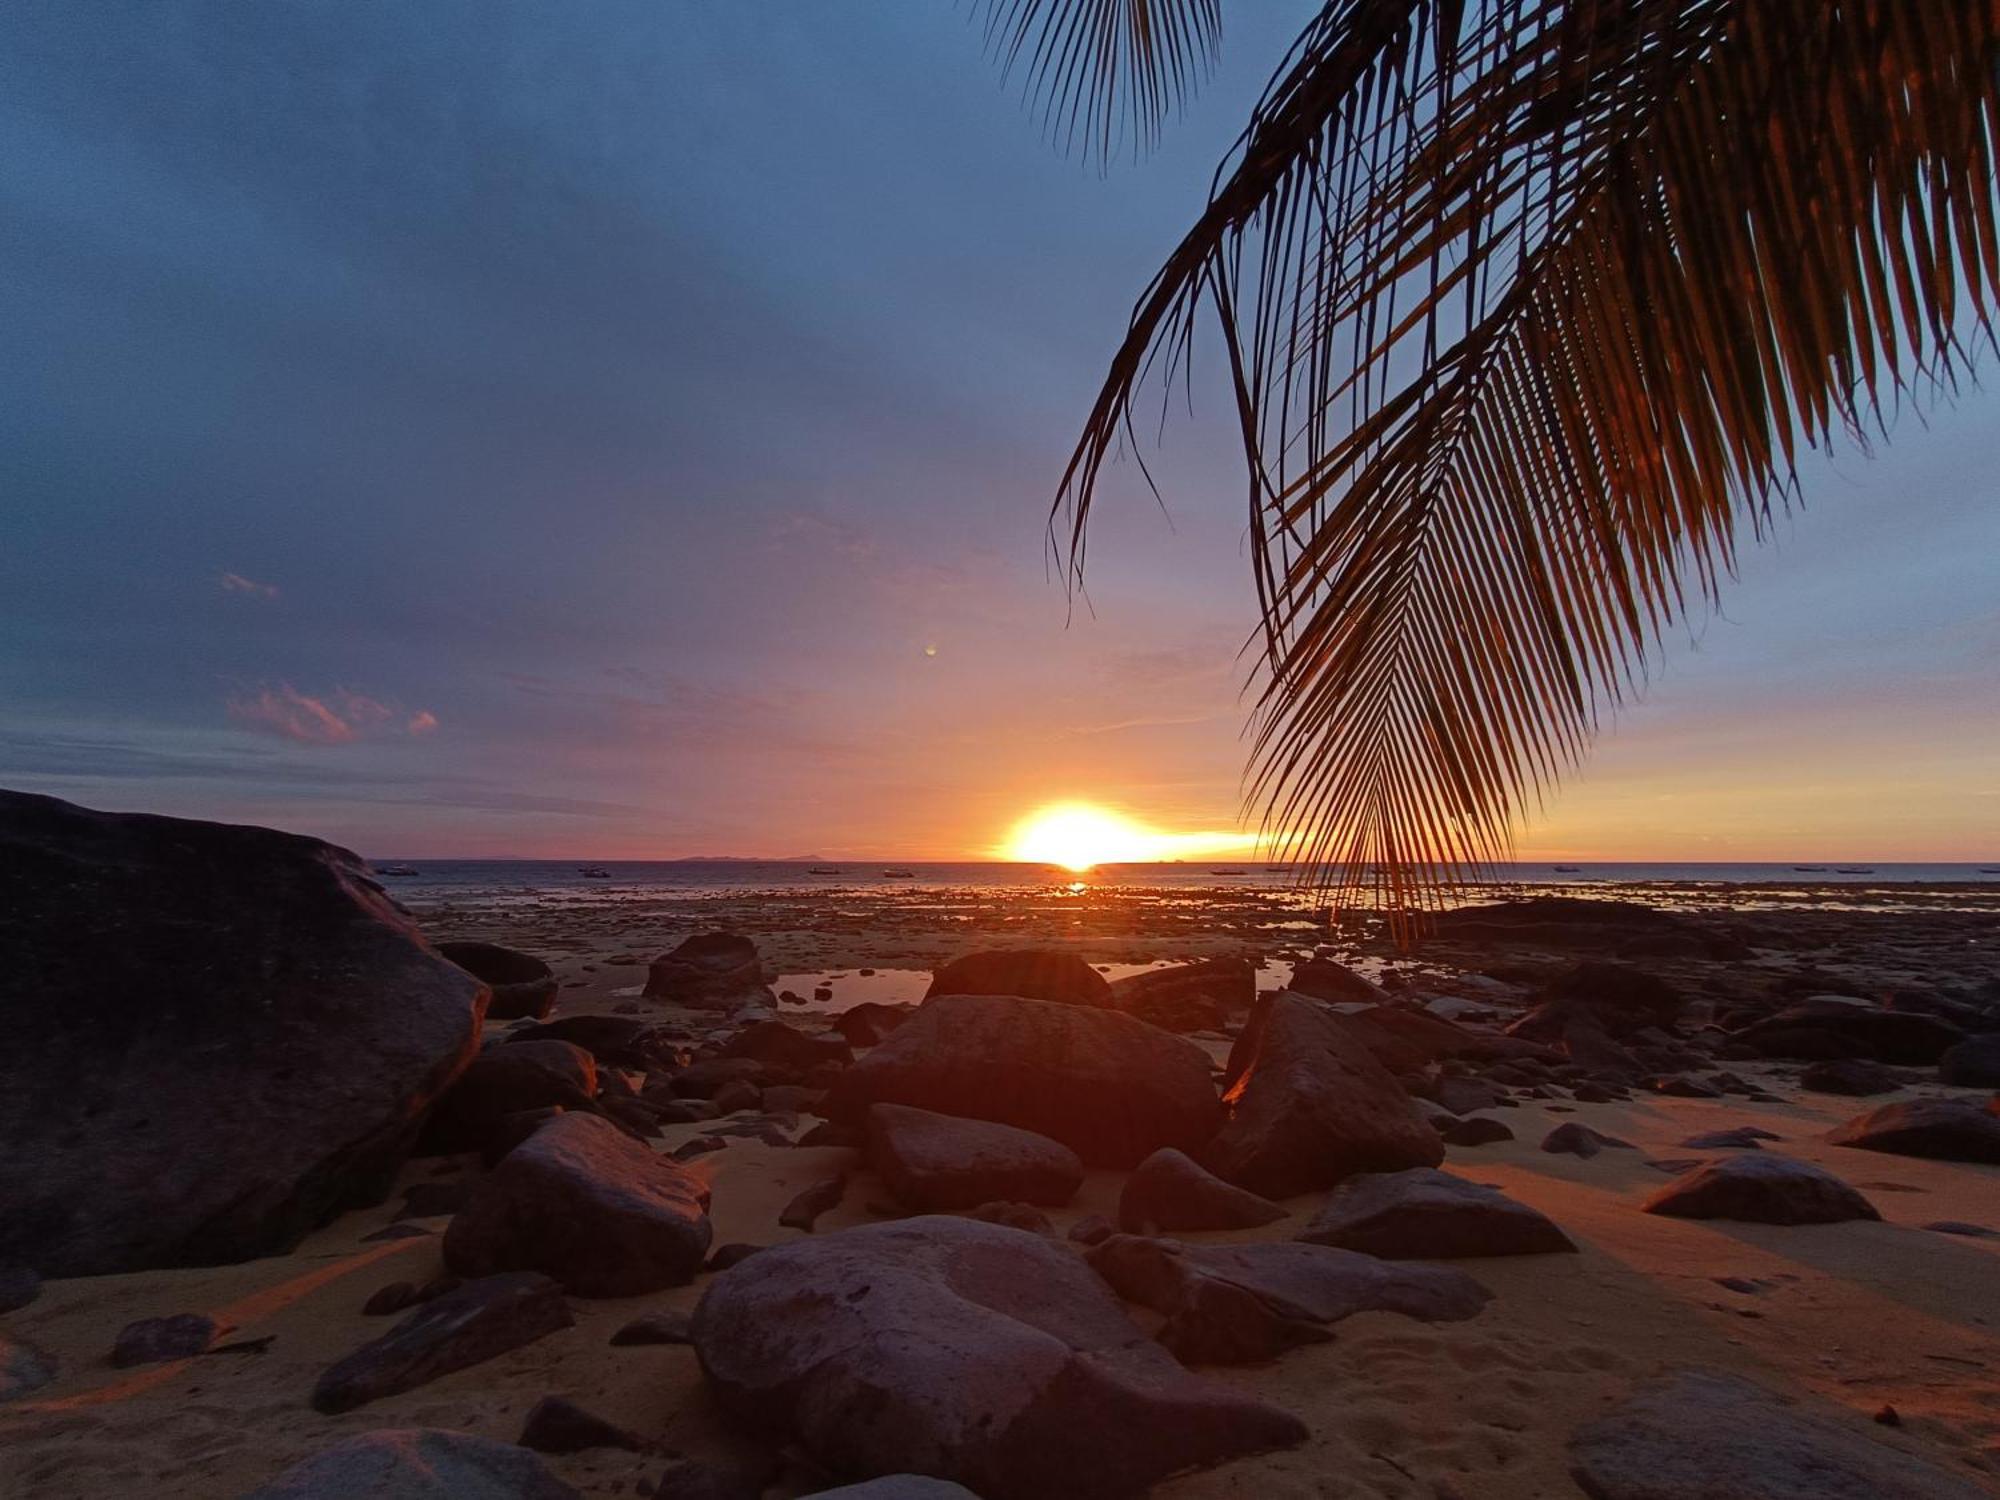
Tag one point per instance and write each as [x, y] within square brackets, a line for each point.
[1529, 306]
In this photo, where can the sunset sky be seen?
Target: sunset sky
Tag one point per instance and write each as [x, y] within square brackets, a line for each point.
[626, 430]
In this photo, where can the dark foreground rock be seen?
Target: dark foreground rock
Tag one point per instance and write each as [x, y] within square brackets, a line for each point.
[504, 1081]
[1834, 1026]
[1039, 974]
[1314, 1106]
[1704, 1435]
[1620, 928]
[580, 1201]
[219, 1038]
[934, 1162]
[1574, 1139]
[1942, 1129]
[1429, 1215]
[1236, 1304]
[1203, 996]
[1170, 1190]
[556, 1424]
[155, 1340]
[1607, 999]
[1973, 1063]
[522, 985]
[1110, 1088]
[711, 970]
[1760, 1189]
[417, 1463]
[984, 1355]
[479, 1320]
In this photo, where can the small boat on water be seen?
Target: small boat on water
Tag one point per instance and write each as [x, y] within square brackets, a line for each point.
[1854, 869]
[1225, 872]
[593, 872]
[1989, 869]
[899, 874]
[397, 870]
[1569, 869]
[824, 870]
[1810, 869]
[1277, 869]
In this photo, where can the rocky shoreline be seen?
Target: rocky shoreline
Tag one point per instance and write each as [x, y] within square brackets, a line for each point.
[1194, 1196]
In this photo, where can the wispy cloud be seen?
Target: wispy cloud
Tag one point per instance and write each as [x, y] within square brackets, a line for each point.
[336, 718]
[423, 721]
[236, 583]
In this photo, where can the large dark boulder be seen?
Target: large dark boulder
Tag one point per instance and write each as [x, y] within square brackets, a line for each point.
[1827, 1026]
[1323, 979]
[417, 1463]
[1704, 1435]
[619, 1041]
[985, 1355]
[1943, 1129]
[1761, 1189]
[1037, 973]
[934, 1161]
[785, 1047]
[522, 985]
[1233, 1304]
[1170, 1190]
[219, 1038]
[1110, 1088]
[1432, 1039]
[711, 970]
[1314, 1106]
[1612, 998]
[1623, 929]
[466, 1326]
[605, 1215]
[506, 1080]
[1423, 1214]
[1201, 996]
[1849, 1077]
[1973, 1063]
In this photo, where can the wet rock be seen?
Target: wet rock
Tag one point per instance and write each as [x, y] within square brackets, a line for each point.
[1314, 1106]
[1323, 979]
[417, 1463]
[1429, 1039]
[522, 984]
[1170, 1190]
[1973, 1063]
[712, 971]
[1202, 996]
[786, 1046]
[601, 1213]
[1704, 1435]
[1110, 1088]
[1599, 999]
[655, 1328]
[1742, 1138]
[1761, 1189]
[1620, 928]
[1830, 1026]
[24, 1367]
[1475, 1130]
[481, 1319]
[935, 1161]
[967, 1351]
[1941, 1129]
[509, 1080]
[155, 1340]
[1236, 1304]
[1574, 1139]
[1038, 974]
[220, 1038]
[557, 1424]
[1854, 1077]
[804, 1210]
[867, 1023]
[1429, 1215]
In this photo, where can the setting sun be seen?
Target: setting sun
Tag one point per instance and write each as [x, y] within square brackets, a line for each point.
[1079, 836]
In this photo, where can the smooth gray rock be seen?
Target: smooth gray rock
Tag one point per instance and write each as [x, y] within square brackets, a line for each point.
[605, 1215]
[1235, 1304]
[935, 1162]
[980, 1354]
[219, 1038]
[1110, 1088]
[1704, 1435]
[1429, 1215]
[1761, 1189]
[1941, 1129]
[417, 1463]
[479, 1320]
[1170, 1190]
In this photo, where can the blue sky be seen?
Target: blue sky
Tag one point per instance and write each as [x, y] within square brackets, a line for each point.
[626, 429]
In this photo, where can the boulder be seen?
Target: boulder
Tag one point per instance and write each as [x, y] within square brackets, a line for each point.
[152, 1341]
[1314, 1106]
[1831, 1026]
[1323, 979]
[1170, 1190]
[1036, 973]
[1464, 1096]
[618, 1041]
[478, 1321]
[1201, 996]
[417, 1463]
[522, 985]
[1432, 1039]
[24, 1367]
[1423, 1214]
[1614, 999]
[806, 1206]
[786, 1047]
[220, 1037]
[655, 1328]
[1742, 1138]
[1704, 1435]
[603, 1214]
[1760, 1189]
[867, 1023]
[557, 1424]
[1620, 928]
[1474, 1130]
[1235, 1304]
[1851, 1077]
[1109, 1087]
[983, 1355]
[1973, 1063]
[1942, 1129]
[1574, 1139]
[933, 1161]
[509, 1080]
[711, 970]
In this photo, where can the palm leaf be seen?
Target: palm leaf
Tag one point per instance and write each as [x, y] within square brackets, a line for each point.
[1529, 308]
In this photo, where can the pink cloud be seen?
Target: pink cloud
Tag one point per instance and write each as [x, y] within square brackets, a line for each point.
[236, 583]
[336, 718]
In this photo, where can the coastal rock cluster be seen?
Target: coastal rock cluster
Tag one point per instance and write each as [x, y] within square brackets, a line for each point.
[1329, 1131]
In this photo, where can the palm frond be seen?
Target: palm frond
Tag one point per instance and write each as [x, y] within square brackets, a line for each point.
[1529, 307]
[1104, 73]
